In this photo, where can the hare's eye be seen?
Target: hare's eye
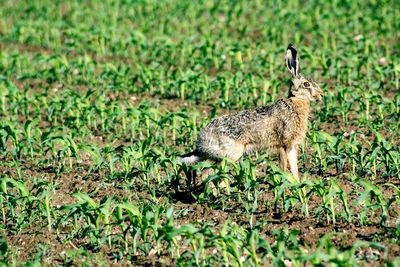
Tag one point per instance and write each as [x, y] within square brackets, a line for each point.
[306, 84]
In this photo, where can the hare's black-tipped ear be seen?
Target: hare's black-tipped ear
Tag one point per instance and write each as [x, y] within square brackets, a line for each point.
[293, 60]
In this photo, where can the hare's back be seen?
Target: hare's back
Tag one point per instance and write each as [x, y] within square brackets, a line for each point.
[232, 125]
[240, 124]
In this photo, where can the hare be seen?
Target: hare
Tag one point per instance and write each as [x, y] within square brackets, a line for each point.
[280, 126]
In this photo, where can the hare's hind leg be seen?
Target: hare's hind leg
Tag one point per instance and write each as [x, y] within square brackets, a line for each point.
[292, 157]
[231, 150]
[226, 148]
[235, 151]
[223, 147]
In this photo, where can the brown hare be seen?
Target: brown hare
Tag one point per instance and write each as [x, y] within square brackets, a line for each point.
[280, 126]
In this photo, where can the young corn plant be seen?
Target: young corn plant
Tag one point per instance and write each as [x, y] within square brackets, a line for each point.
[282, 183]
[371, 199]
[19, 203]
[96, 218]
[330, 194]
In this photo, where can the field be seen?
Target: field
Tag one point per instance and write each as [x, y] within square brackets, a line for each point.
[98, 98]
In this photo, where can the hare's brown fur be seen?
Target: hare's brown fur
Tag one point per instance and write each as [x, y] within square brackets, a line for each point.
[280, 126]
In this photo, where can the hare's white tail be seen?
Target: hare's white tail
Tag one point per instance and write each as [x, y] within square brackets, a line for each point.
[190, 158]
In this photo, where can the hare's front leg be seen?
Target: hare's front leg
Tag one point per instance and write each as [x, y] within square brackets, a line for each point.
[283, 158]
[292, 157]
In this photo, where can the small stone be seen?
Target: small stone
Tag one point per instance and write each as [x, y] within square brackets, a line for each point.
[358, 37]
[383, 61]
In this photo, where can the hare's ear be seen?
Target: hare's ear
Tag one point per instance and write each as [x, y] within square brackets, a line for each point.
[293, 60]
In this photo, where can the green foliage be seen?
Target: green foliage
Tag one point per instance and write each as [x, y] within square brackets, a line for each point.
[97, 98]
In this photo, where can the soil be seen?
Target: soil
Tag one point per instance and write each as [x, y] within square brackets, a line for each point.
[37, 239]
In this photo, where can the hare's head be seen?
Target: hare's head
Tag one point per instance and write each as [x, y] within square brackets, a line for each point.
[301, 87]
